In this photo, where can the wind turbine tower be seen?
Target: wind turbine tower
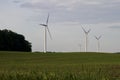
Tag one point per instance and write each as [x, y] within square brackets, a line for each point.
[86, 38]
[45, 34]
[98, 42]
[80, 46]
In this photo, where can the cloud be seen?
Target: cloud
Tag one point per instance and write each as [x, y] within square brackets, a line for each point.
[84, 11]
[115, 27]
[69, 5]
[16, 1]
[42, 4]
[38, 5]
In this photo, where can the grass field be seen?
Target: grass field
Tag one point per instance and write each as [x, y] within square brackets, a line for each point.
[59, 66]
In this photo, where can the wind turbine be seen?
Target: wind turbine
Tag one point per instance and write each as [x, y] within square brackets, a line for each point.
[86, 38]
[98, 42]
[45, 33]
[80, 47]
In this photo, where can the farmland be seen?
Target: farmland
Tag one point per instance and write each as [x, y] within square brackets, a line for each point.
[59, 66]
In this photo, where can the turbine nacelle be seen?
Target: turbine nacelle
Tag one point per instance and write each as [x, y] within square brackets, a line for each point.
[98, 37]
[86, 32]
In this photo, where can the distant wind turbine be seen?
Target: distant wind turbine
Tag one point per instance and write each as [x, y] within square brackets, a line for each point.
[80, 47]
[45, 34]
[98, 42]
[86, 38]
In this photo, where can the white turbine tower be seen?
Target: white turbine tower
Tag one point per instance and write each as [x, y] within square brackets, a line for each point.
[98, 42]
[86, 38]
[45, 33]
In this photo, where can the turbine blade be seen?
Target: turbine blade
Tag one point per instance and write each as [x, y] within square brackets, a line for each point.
[47, 19]
[100, 37]
[83, 29]
[89, 31]
[96, 37]
[49, 32]
[43, 24]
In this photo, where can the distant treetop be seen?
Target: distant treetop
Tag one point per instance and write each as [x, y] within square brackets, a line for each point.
[12, 41]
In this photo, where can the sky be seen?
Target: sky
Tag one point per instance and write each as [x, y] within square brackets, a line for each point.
[66, 19]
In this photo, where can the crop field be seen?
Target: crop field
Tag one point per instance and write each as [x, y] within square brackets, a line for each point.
[59, 66]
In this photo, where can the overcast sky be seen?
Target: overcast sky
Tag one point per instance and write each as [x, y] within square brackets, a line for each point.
[66, 19]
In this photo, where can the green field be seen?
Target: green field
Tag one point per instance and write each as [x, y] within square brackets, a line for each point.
[59, 66]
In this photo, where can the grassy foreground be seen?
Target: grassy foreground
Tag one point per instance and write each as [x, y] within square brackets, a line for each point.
[59, 66]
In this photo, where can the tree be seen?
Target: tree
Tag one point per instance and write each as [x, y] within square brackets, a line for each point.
[11, 41]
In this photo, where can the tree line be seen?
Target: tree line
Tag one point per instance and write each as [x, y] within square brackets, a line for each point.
[12, 41]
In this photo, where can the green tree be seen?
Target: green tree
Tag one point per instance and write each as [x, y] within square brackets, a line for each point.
[11, 41]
